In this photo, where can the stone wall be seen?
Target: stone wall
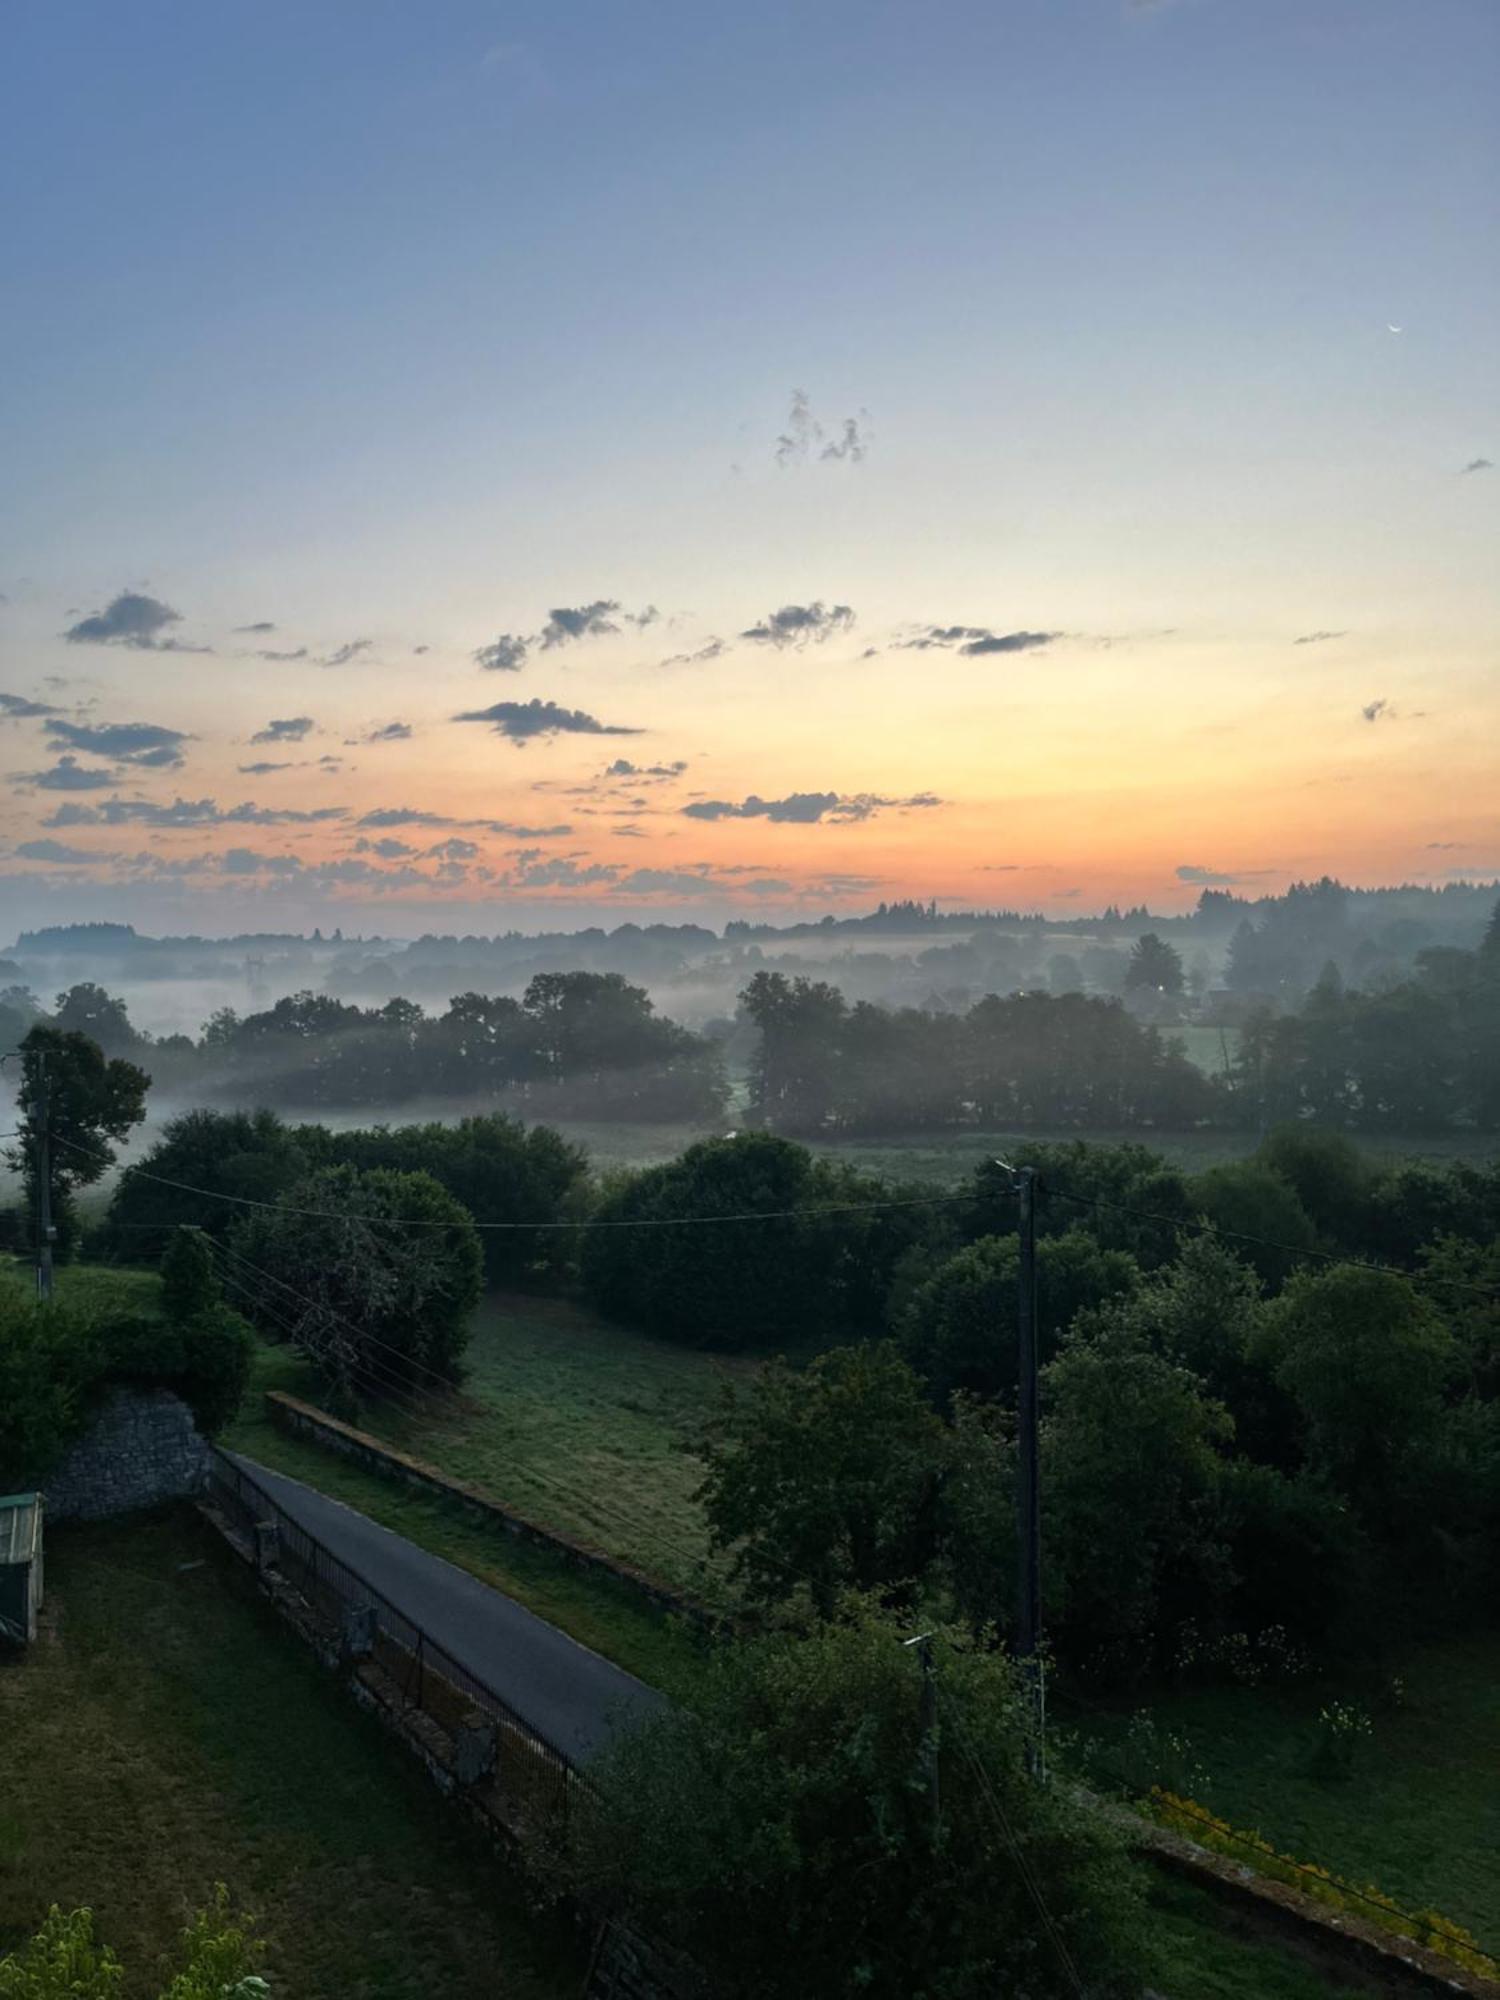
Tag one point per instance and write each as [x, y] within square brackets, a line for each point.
[141, 1449]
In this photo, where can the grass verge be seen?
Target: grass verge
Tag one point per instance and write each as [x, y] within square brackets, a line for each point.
[166, 1733]
[1419, 1813]
[610, 1618]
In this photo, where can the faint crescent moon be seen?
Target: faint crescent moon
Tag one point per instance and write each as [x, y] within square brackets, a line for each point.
[1394, 329]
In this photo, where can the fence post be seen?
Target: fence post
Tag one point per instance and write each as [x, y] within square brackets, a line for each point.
[267, 1538]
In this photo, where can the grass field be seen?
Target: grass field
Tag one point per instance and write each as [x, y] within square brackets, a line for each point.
[585, 1425]
[1420, 1814]
[949, 1156]
[166, 1733]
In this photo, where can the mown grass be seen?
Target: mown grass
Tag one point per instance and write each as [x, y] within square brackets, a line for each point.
[93, 1287]
[611, 1618]
[1201, 1952]
[166, 1733]
[584, 1425]
[1419, 1817]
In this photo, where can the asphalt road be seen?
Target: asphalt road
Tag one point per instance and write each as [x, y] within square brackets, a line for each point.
[573, 1697]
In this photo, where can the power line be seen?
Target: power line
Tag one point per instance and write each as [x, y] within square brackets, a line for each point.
[629, 1222]
[1008, 1834]
[1201, 1226]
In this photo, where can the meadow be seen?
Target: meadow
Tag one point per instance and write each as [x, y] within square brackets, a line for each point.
[166, 1734]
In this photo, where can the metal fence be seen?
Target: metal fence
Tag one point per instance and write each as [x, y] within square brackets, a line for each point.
[506, 1766]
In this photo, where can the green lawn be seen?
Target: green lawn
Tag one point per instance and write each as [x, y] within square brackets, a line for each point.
[582, 1425]
[88, 1285]
[1204, 1953]
[612, 1618]
[1419, 1817]
[166, 1732]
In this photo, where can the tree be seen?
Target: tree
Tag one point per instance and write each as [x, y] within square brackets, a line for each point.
[825, 1477]
[959, 1330]
[374, 1275]
[1131, 1468]
[1365, 1359]
[818, 1861]
[1247, 1200]
[87, 1101]
[205, 1165]
[86, 1009]
[1155, 966]
[1329, 1176]
[801, 1274]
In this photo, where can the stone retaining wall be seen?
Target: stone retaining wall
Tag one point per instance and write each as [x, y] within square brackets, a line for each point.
[306, 1420]
[143, 1448]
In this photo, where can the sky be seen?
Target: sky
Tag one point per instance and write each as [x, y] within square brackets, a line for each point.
[469, 466]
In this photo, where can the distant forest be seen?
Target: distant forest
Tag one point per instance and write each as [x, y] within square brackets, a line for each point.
[1321, 1018]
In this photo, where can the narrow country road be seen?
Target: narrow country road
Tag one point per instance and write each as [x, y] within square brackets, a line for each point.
[573, 1697]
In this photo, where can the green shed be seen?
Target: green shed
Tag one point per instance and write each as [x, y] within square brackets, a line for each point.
[20, 1565]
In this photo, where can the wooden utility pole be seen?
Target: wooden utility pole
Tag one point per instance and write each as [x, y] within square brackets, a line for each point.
[1028, 1482]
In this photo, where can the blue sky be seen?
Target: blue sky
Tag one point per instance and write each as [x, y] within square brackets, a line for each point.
[415, 321]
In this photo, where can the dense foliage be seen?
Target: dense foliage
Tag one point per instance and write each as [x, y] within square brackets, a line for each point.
[817, 1270]
[854, 1833]
[1247, 1454]
[585, 1042]
[86, 1101]
[210, 1167]
[58, 1361]
[373, 1273]
[216, 1960]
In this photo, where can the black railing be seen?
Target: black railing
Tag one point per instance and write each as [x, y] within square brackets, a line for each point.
[507, 1766]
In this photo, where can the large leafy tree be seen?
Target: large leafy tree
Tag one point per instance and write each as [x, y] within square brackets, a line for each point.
[1131, 1462]
[825, 1477]
[1365, 1358]
[88, 1102]
[374, 1275]
[959, 1330]
[856, 1834]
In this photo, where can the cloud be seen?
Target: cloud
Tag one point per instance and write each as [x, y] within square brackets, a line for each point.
[453, 849]
[388, 816]
[505, 655]
[804, 437]
[150, 745]
[795, 624]
[1204, 878]
[191, 812]
[59, 852]
[285, 729]
[521, 721]
[342, 655]
[388, 849]
[250, 861]
[388, 732]
[978, 640]
[807, 808]
[1318, 638]
[709, 652]
[623, 768]
[1374, 710]
[419, 650]
[1443, 846]
[1007, 642]
[260, 625]
[566, 623]
[134, 620]
[20, 708]
[262, 769]
[266, 653]
[559, 871]
[1480, 465]
[68, 775]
